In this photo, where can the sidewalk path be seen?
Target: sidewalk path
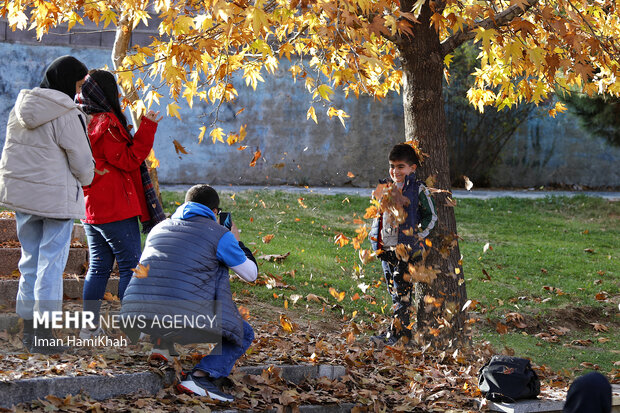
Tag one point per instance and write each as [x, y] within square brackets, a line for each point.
[365, 192]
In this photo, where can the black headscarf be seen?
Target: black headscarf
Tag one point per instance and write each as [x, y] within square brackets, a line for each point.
[63, 73]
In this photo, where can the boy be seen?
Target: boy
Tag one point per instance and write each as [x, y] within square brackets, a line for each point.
[187, 258]
[402, 243]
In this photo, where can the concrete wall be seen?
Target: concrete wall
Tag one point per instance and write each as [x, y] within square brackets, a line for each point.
[547, 151]
[297, 151]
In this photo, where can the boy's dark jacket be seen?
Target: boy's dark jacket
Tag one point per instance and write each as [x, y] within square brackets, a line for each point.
[184, 271]
[410, 190]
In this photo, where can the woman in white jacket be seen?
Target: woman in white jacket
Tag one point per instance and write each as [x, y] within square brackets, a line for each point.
[45, 162]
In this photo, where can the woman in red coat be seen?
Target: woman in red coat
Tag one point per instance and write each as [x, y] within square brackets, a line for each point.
[115, 200]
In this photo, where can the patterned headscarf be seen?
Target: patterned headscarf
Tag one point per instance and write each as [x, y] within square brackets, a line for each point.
[91, 98]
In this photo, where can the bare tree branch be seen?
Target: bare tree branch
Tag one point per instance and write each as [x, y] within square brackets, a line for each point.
[498, 20]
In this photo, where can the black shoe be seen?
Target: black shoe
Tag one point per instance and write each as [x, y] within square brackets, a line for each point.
[27, 334]
[203, 386]
[44, 342]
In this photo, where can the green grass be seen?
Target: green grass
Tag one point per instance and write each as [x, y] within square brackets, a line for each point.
[538, 265]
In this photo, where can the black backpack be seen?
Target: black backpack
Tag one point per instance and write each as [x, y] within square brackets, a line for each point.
[507, 379]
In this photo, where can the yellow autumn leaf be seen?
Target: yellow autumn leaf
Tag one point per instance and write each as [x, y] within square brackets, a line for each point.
[203, 130]
[217, 134]
[311, 114]
[286, 324]
[339, 296]
[173, 110]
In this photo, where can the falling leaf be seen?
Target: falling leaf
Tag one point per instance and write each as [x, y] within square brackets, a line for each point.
[301, 202]
[468, 184]
[141, 271]
[402, 252]
[350, 174]
[255, 158]
[267, 238]
[245, 313]
[339, 296]
[179, 148]
[365, 256]
[242, 148]
[341, 240]
[286, 324]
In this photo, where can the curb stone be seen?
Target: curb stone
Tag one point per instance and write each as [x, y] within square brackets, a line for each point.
[320, 408]
[8, 231]
[105, 387]
[72, 288]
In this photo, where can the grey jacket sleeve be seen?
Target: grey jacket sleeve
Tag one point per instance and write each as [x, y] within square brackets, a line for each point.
[74, 140]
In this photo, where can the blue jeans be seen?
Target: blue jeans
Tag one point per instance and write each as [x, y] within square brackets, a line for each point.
[118, 240]
[223, 357]
[45, 249]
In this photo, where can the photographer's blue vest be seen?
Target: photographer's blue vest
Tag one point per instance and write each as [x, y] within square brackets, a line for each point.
[185, 274]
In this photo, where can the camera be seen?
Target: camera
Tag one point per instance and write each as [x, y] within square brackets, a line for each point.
[225, 219]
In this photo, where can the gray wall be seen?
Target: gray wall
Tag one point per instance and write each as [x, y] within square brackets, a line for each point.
[298, 151]
[547, 151]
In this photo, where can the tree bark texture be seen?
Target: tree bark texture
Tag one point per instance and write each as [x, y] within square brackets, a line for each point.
[440, 320]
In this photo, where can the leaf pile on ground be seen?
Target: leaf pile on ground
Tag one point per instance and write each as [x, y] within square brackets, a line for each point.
[396, 378]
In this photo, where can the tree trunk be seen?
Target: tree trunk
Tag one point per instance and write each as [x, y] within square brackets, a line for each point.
[443, 324]
[119, 51]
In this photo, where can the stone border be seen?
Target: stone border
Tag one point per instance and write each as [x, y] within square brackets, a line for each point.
[105, 387]
[72, 288]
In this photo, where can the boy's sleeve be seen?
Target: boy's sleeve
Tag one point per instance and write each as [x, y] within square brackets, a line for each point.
[428, 215]
[230, 253]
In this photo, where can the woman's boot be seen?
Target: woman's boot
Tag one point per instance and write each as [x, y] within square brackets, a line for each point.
[27, 334]
[44, 342]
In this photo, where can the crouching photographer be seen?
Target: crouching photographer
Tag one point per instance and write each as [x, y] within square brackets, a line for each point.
[185, 277]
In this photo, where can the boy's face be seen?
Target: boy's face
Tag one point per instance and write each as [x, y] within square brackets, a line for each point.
[400, 169]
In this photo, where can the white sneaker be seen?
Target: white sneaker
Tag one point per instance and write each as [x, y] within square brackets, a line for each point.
[203, 386]
[87, 333]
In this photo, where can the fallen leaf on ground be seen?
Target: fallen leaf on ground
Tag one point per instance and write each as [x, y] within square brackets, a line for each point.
[600, 327]
[274, 257]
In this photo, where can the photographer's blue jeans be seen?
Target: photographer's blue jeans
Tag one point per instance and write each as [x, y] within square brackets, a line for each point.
[45, 249]
[118, 240]
[223, 357]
